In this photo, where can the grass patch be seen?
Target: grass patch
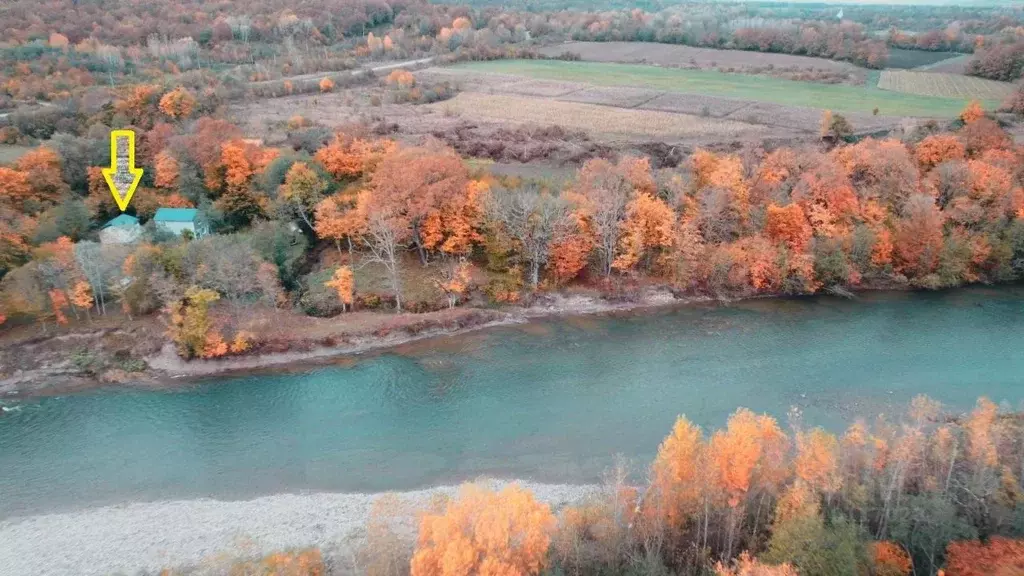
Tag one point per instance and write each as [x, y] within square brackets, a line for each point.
[738, 86]
[9, 153]
[906, 59]
[871, 81]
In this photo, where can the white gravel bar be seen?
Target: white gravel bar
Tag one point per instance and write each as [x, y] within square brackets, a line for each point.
[146, 537]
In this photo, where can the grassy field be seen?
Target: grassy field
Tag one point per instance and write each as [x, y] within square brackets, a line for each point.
[742, 87]
[602, 119]
[944, 85]
[9, 153]
[906, 59]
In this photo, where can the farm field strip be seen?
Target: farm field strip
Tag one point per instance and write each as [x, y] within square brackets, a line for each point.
[954, 65]
[593, 117]
[838, 98]
[679, 55]
[943, 85]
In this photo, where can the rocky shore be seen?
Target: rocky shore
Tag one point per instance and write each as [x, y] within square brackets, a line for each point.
[209, 534]
[52, 366]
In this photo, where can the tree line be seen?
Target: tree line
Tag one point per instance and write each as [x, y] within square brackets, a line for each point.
[939, 209]
[920, 494]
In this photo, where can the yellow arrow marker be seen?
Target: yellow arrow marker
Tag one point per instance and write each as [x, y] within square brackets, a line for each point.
[122, 177]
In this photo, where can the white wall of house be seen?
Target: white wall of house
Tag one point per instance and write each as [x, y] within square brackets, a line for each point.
[120, 234]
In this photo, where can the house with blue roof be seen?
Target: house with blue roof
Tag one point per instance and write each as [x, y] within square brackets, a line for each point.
[178, 220]
[123, 229]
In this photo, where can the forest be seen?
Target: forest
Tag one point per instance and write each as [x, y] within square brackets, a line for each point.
[921, 494]
[941, 212]
[353, 217]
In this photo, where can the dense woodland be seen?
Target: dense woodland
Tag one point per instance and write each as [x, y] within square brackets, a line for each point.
[296, 225]
[923, 494]
[63, 51]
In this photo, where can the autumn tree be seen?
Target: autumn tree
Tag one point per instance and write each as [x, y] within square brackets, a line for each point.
[745, 565]
[167, 170]
[535, 220]
[677, 479]
[973, 558]
[401, 79]
[326, 85]
[454, 281]
[648, 232]
[972, 113]
[788, 224]
[817, 460]
[889, 559]
[827, 197]
[918, 240]
[418, 182]
[81, 297]
[42, 176]
[337, 218]
[190, 327]
[939, 148]
[302, 191]
[349, 158]
[606, 190]
[342, 282]
[485, 532]
[386, 229]
[881, 171]
[723, 195]
[178, 103]
[746, 455]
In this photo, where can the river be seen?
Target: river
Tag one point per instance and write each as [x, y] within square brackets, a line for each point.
[551, 401]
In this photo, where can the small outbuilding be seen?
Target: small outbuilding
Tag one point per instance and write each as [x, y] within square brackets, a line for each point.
[178, 220]
[123, 229]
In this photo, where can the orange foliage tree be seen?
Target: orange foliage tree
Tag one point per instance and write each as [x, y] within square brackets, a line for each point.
[939, 148]
[648, 232]
[604, 192]
[817, 460]
[748, 454]
[401, 78]
[336, 219]
[327, 85]
[42, 173]
[343, 283]
[178, 103]
[747, 566]
[486, 533]
[890, 559]
[416, 182]
[918, 241]
[167, 170]
[997, 556]
[972, 113]
[788, 224]
[676, 475]
[81, 296]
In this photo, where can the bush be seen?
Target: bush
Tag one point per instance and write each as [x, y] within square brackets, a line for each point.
[319, 300]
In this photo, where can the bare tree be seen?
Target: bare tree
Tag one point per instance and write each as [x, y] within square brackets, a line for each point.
[101, 266]
[535, 220]
[383, 236]
[111, 56]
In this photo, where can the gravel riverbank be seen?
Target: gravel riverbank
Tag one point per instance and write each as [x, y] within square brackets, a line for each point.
[146, 537]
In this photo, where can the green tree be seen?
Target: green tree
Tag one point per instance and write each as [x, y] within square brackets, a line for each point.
[817, 547]
[924, 525]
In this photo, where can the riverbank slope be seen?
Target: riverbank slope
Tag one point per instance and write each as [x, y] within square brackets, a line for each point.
[116, 351]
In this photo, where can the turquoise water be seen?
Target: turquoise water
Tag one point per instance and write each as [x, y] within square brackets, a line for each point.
[552, 401]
